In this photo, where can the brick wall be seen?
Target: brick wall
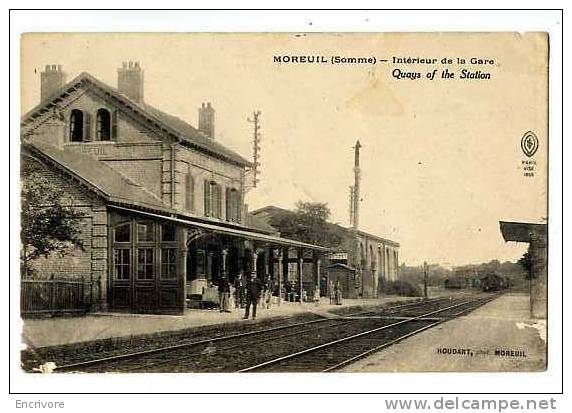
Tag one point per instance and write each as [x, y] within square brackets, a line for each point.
[201, 168]
[136, 151]
[144, 157]
[89, 265]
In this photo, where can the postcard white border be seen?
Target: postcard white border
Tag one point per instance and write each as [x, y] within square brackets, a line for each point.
[299, 21]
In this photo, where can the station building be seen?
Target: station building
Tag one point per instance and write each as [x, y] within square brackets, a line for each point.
[162, 202]
[361, 263]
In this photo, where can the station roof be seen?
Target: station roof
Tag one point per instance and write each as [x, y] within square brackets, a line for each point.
[170, 125]
[118, 189]
[241, 233]
[522, 231]
[101, 178]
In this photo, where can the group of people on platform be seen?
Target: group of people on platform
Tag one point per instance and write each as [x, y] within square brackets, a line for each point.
[335, 293]
[247, 292]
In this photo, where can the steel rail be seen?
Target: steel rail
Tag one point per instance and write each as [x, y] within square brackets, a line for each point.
[346, 319]
[403, 337]
[179, 346]
[352, 337]
[125, 356]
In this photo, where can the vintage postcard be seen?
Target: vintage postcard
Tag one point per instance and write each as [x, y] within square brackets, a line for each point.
[284, 202]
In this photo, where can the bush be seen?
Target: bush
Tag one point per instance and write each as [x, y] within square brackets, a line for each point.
[403, 288]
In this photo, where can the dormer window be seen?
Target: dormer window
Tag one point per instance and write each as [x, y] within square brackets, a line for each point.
[103, 125]
[76, 126]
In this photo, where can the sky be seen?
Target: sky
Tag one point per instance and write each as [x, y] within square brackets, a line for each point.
[441, 160]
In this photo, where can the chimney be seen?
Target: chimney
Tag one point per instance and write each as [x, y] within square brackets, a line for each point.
[130, 80]
[206, 119]
[53, 78]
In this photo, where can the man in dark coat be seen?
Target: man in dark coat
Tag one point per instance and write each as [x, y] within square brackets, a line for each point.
[239, 290]
[253, 289]
[224, 294]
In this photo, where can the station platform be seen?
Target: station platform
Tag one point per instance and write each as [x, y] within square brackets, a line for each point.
[501, 337]
[46, 332]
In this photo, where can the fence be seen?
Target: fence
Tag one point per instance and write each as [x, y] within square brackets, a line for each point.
[53, 296]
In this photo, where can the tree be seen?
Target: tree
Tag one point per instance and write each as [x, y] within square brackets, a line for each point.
[526, 263]
[309, 223]
[48, 226]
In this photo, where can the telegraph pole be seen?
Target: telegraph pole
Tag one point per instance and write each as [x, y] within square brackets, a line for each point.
[356, 187]
[256, 146]
[425, 279]
[354, 216]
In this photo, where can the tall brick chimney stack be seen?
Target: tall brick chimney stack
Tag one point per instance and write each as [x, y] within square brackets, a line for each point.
[52, 78]
[207, 119]
[130, 80]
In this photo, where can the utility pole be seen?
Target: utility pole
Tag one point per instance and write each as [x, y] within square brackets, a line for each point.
[354, 218]
[425, 279]
[355, 190]
[255, 147]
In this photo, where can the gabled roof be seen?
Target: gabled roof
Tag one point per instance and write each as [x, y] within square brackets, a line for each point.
[103, 179]
[117, 189]
[344, 266]
[170, 125]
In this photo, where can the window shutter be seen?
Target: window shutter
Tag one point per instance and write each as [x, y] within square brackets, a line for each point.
[87, 126]
[216, 200]
[228, 199]
[237, 206]
[187, 192]
[219, 200]
[114, 125]
[191, 189]
[207, 198]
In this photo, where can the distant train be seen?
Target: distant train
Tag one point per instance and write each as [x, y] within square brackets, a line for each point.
[488, 282]
[456, 283]
[494, 282]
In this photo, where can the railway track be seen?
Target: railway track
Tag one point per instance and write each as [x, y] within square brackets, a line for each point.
[72, 363]
[324, 344]
[339, 353]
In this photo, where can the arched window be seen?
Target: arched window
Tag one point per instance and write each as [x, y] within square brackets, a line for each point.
[103, 131]
[232, 205]
[212, 199]
[76, 126]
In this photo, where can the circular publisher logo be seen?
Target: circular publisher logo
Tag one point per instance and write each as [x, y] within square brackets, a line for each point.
[529, 143]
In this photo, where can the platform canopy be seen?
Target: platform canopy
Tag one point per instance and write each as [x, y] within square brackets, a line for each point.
[522, 231]
[240, 233]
